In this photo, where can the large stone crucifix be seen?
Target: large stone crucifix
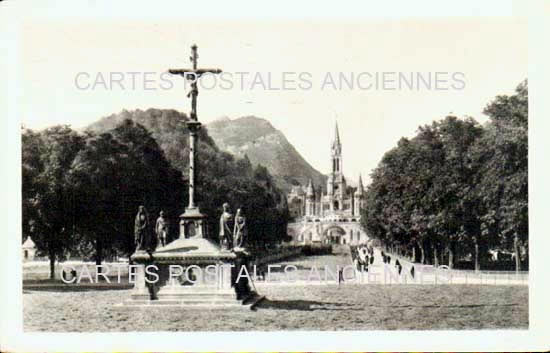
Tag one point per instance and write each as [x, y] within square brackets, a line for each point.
[191, 223]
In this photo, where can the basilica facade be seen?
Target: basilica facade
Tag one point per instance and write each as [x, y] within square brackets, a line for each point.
[328, 216]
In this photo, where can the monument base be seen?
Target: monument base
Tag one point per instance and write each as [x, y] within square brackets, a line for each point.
[192, 272]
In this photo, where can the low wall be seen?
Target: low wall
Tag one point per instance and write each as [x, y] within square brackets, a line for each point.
[278, 255]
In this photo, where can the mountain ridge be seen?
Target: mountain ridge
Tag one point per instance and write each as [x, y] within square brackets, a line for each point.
[263, 144]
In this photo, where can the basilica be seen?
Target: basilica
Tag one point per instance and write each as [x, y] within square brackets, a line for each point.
[331, 216]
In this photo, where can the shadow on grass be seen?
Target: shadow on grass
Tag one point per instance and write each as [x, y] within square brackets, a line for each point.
[311, 305]
[61, 287]
[303, 305]
[446, 306]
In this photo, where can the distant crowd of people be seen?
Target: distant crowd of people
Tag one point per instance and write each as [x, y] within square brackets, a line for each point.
[363, 256]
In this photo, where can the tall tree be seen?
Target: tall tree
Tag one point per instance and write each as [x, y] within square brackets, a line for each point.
[48, 198]
[503, 178]
[115, 173]
[456, 186]
[457, 218]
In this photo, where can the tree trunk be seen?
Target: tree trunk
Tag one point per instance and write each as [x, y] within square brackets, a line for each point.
[476, 255]
[422, 258]
[98, 255]
[436, 257]
[451, 257]
[52, 265]
[413, 254]
[517, 253]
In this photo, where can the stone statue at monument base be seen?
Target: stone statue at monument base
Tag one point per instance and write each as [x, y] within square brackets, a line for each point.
[239, 231]
[141, 230]
[195, 271]
[161, 229]
[226, 234]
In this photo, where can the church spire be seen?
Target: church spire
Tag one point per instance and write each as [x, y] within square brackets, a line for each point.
[360, 189]
[336, 136]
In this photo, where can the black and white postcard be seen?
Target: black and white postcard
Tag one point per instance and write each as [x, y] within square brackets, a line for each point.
[215, 176]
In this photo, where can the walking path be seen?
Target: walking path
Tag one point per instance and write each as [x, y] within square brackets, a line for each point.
[428, 274]
[328, 269]
[338, 269]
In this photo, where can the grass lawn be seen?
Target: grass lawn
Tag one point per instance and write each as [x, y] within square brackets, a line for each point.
[326, 307]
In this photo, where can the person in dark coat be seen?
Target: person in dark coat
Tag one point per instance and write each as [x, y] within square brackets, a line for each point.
[398, 265]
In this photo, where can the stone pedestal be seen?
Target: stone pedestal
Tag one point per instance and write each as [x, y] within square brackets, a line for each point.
[192, 224]
[192, 272]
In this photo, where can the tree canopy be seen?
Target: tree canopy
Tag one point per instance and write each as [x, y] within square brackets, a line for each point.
[456, 188]
[81, 191]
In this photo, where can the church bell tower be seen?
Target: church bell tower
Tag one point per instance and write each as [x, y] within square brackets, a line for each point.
[336, 153]
[336, 183]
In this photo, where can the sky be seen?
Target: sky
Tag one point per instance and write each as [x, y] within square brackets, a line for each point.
[67, 66]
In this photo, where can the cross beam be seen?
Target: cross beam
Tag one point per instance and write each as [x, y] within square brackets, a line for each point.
[193, 75]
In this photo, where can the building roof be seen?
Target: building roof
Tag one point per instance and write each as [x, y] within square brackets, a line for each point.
[29, 244]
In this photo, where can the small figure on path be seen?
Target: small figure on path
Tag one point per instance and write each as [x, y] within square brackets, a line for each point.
[356, 264]
[141, 228]
[362, 252]
[226, 236]
[161, 229]
[340, 276]
[239, 231]
[398, 265]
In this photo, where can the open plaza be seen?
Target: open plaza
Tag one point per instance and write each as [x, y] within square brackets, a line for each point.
[326, 305]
